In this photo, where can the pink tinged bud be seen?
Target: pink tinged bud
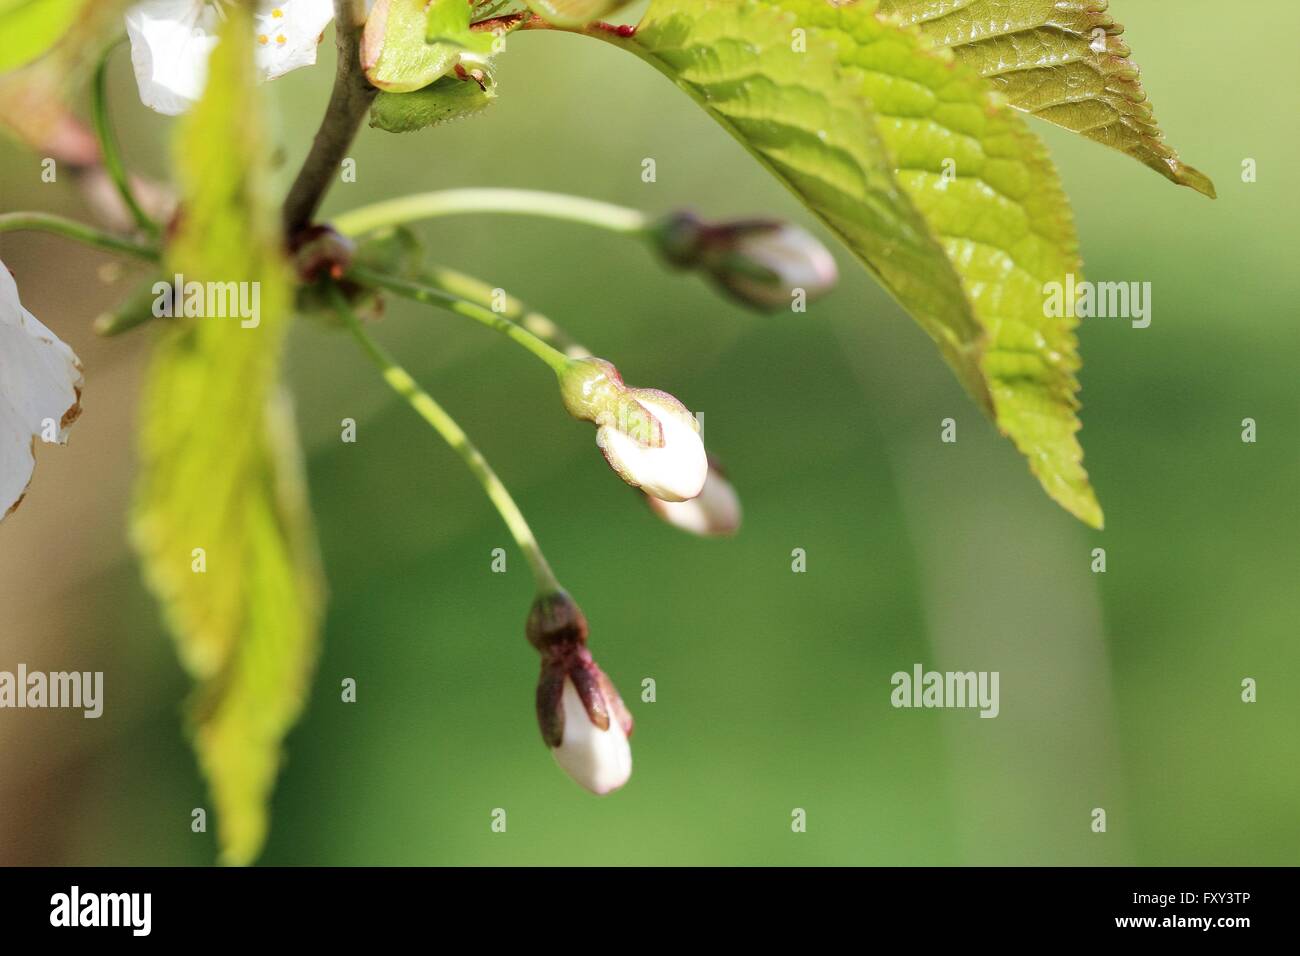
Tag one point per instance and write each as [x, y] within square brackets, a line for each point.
[761, 262]
[767, 266]
[600, 759]
[714, 511]
[674, 470]
[649, 438]
[581, 715]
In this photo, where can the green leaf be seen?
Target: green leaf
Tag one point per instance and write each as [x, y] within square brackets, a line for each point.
[449, 24]
[447, 99]
[394, 53]
[36, 100]
[31, 27]
[573, 13]
[1066, 63]
[219, 466]
[943, 195]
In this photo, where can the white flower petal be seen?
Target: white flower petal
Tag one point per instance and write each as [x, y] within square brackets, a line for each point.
[171, 41]
[288, 34]
[170, 44]
[40, 391]
[673, 472]
[600, 760]
[795, 256]
[793, 259]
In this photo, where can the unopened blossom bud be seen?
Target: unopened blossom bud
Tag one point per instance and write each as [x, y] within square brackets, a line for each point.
[582, 717]
[713, 512]
[760, 262]
[649, 438]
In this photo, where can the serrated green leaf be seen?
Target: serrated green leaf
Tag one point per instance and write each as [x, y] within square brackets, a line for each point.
[31, 27]
[394, 52]
[219, 465]
[445, 100]
[1066, 63]
[948, 199]
[573, 13]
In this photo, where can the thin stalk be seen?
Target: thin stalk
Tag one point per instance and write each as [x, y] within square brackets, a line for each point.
[430, 295]
[108, 148]
[481, 293]
[518, 202]
[71, 229]
[424, 405]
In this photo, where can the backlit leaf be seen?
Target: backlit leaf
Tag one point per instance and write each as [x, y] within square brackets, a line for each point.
[36, 100]
[944, 195]
[219, 467]
[31, 27]
[448, 23]
[1065, 62]
[573, 13]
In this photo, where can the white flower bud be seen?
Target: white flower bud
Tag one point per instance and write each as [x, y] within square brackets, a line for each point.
[761, 262]
[714, 511]
[650, 439]
[581, 715]
[40, 392]
[672, 470]
[600, 760]
[766, 267]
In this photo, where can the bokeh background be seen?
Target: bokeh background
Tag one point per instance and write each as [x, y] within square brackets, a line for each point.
[1118, 690]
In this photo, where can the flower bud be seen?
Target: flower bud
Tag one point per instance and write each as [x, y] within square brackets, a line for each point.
[760, 262]
[649, 438]
[714, 511]
[581, 715]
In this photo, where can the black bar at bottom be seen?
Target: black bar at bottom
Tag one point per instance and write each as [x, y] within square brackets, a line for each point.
[335, 905]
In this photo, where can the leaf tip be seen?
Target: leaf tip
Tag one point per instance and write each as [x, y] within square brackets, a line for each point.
[1193, 178]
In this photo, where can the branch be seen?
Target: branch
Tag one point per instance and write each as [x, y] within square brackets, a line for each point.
[348, 103]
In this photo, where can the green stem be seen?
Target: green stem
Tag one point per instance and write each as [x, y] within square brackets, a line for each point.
[433, 413]
[108, 147]
[430, 295]
[476, 290]
[520, 202]
[71, 229]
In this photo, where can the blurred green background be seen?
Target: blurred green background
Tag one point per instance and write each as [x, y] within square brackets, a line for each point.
[1118, 690]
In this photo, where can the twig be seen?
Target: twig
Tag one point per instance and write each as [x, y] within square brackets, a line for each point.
[348, 103]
